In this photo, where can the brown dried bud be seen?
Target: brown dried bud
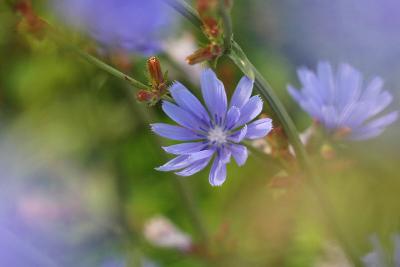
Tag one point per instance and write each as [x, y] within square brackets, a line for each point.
[211, 27]
[155, 72]
[207, 53]
[30, 21]
[144, 96]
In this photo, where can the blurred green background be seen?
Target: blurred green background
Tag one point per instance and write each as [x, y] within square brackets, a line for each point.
[77, 155]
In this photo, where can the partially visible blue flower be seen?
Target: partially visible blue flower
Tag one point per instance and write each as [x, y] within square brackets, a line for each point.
[340, 101]
[378, 257]
[133, 26]
[213, 132]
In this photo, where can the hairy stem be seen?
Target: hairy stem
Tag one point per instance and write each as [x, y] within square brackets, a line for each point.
[227, 25]
[241, 60]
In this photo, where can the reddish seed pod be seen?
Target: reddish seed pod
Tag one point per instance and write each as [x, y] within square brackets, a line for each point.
[144, 96]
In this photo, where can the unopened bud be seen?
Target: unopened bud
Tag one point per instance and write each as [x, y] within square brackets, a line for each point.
[211, 27]
[144, 96]
[154, 69]
[207, 53]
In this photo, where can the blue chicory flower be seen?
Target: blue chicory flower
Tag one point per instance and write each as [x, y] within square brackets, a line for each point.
[131, 26]
[339, 101]
[215, 131]
[378, 257]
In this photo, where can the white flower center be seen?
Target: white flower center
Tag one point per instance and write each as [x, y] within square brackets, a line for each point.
[217, 135]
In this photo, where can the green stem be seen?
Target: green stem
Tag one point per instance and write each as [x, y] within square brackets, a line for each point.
[240, 59]
[148, 116]
[227, 25]
[57, 37]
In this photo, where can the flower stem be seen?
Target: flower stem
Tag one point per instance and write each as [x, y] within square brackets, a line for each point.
[148, 116]
[57, 37]
[227, 25]
[237, 55]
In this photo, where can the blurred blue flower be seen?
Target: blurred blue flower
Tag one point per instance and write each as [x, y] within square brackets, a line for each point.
[131, 26]
[217, 131]
[378, 257]
[340, 102]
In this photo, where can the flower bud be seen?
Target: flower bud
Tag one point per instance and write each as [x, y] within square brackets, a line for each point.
[207, 53]
[144, 96]
[155, 72]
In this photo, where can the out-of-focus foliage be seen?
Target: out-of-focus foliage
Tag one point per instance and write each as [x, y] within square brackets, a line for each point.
[77, 157]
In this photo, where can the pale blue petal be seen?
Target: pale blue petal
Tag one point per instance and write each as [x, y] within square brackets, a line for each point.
[242, 93]
[251, 110]
[218, 169]
[259, 128]
[181, 116]
[375, 127]
[214, 95]
[177, 163]
[326, 78]
[349, 86]
[330, 117]
[239, 153]
[184, 161]
[384, 120]
[397, 250]
[295, 94]
[174, 132]
[195, 167]
[373, 89]
[186, 100]
[232, 117]
[185, 148]
[239, 135]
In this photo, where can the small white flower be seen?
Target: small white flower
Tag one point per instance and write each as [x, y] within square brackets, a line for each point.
[161, 232]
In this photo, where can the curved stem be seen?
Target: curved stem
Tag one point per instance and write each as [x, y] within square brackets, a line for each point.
[227, 25]
[240, 59]
[58, 38]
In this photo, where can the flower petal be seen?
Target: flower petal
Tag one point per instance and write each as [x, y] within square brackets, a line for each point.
[242, 92]
[184, 161]
[218, 169]
[185, 148]
[239, 135]
[181, 116]
[250, 110]
[375, 127]
[232, 117]
[239, 153]
[195, 167]
[259, 128]
[214, 95]
[179, 162]
[174, 132]
[186, 100]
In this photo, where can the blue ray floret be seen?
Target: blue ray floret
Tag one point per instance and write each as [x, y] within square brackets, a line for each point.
[379, 257]
[340, 101]
[214, 131]
[135, 26]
